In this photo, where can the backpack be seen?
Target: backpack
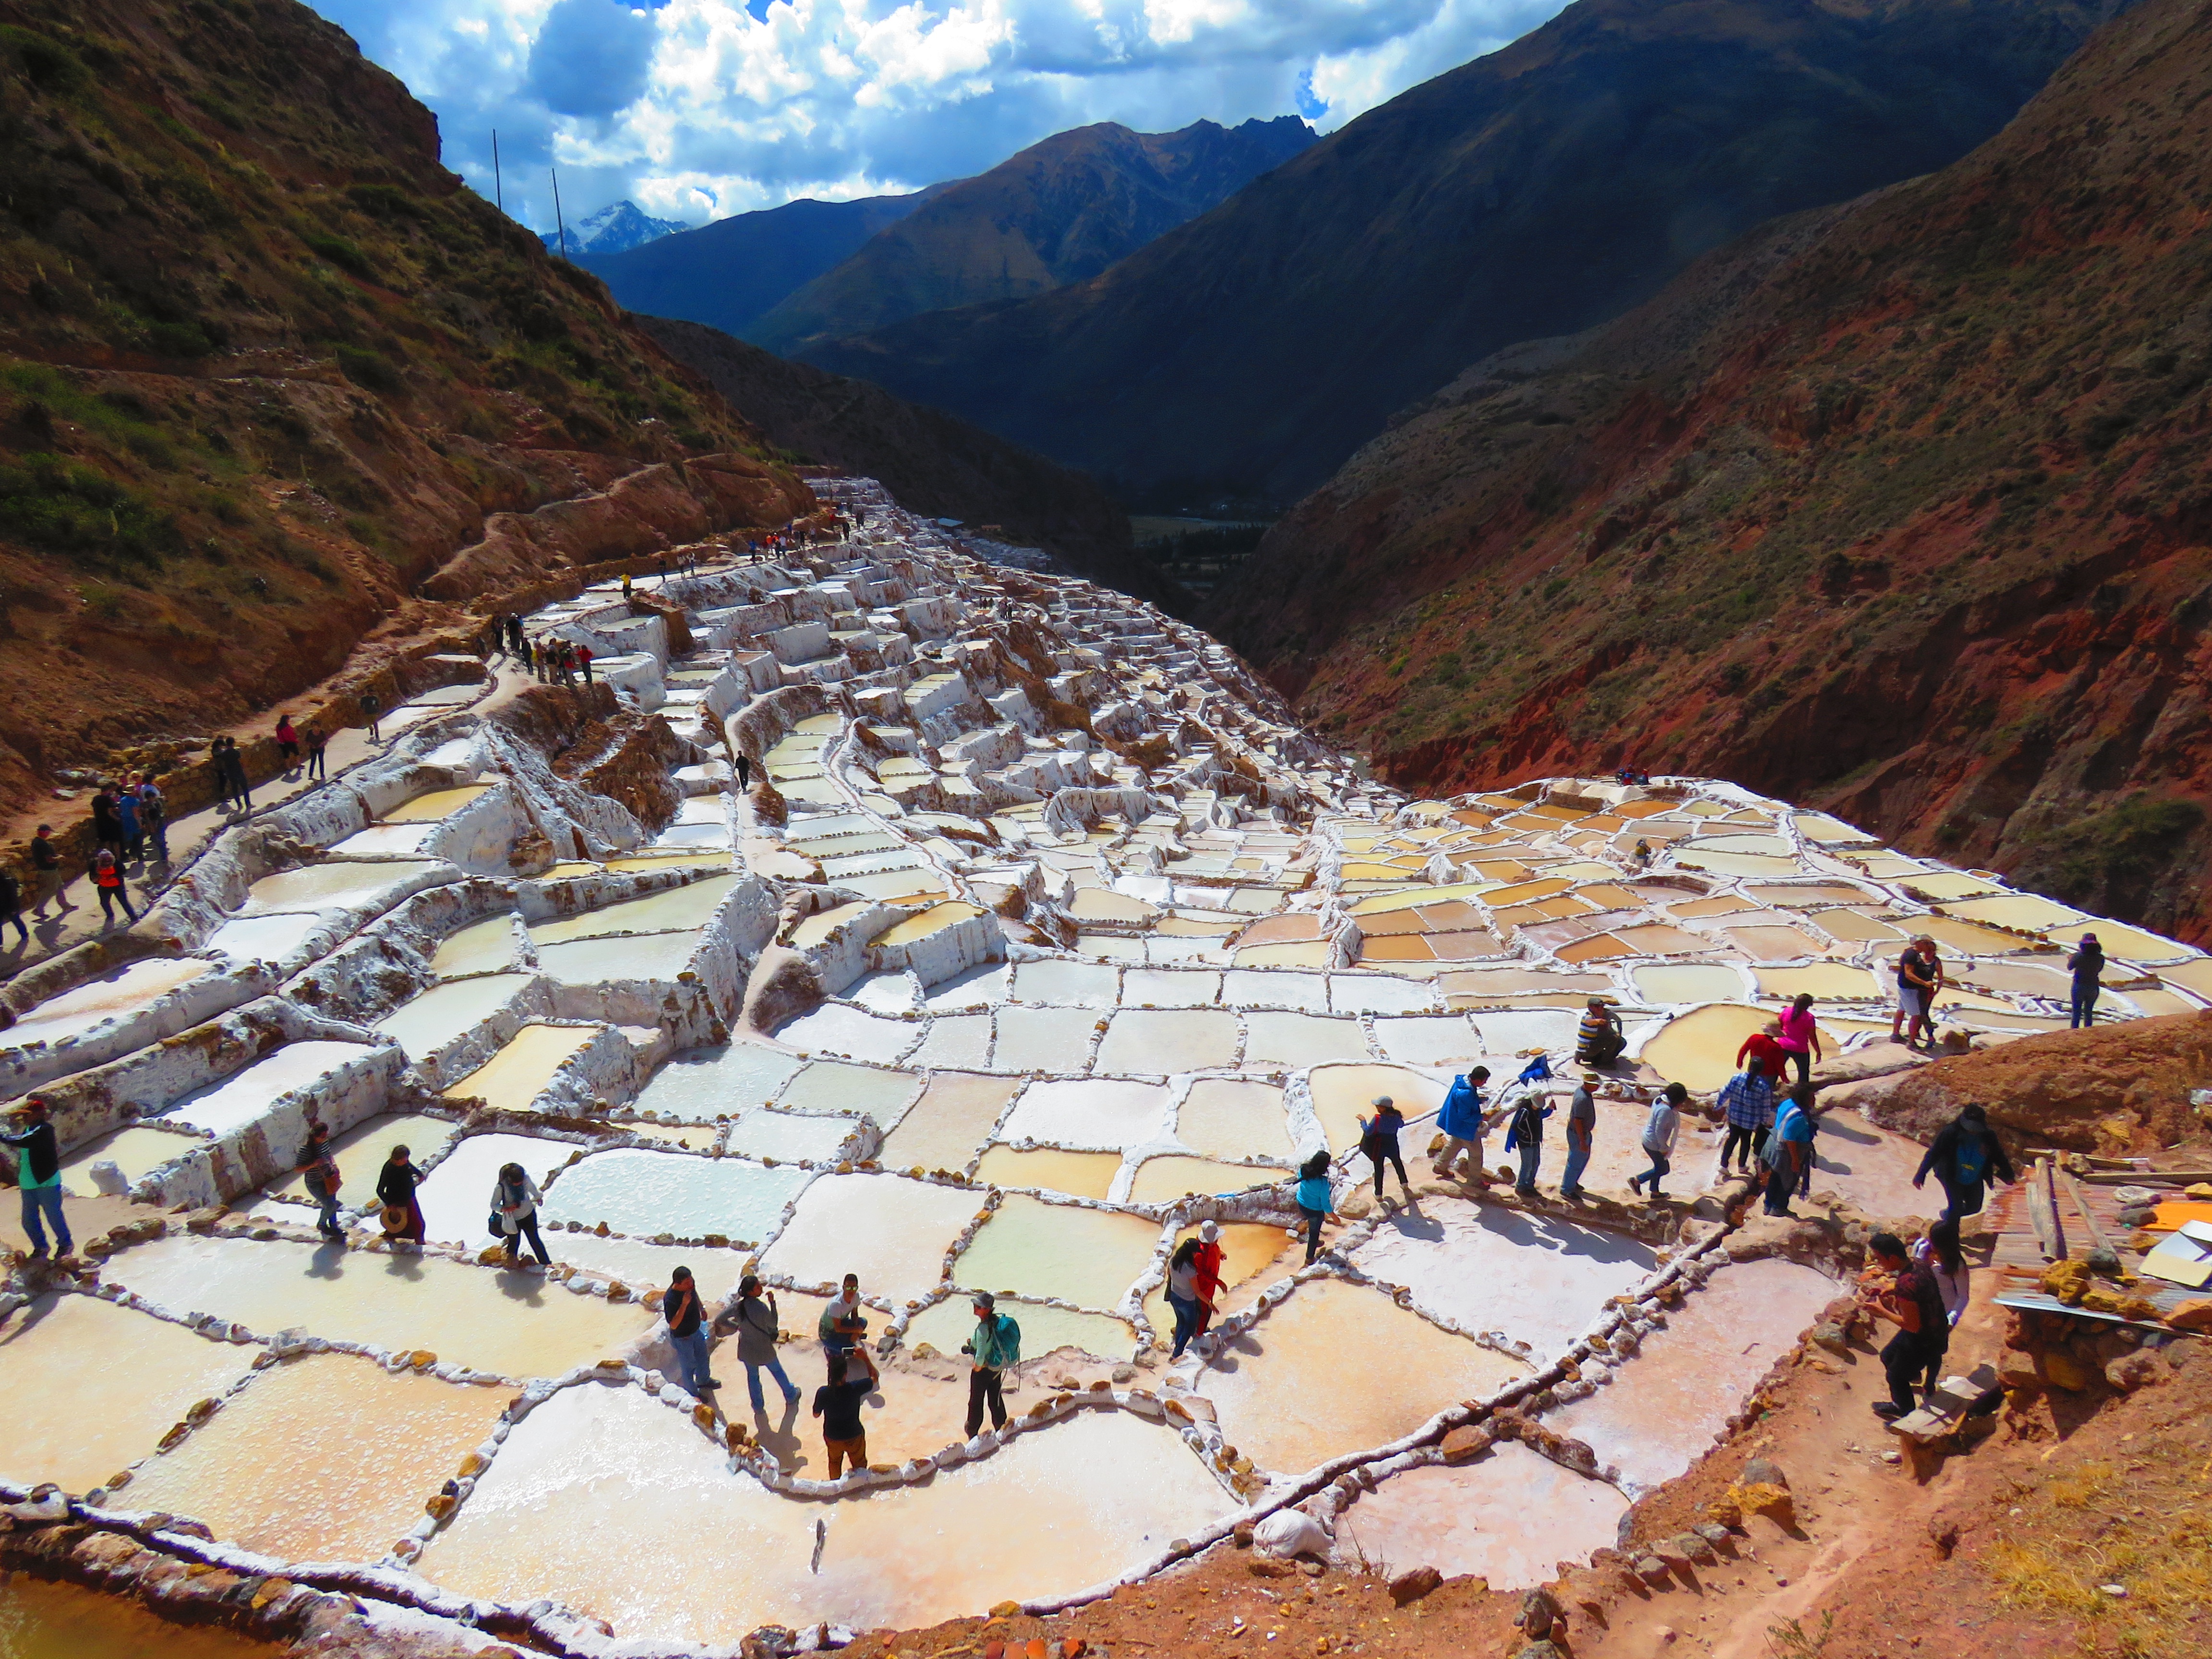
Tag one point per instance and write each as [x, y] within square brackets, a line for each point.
[1011, 1330]
[1972, 1159]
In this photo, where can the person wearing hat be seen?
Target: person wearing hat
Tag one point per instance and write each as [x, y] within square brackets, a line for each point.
[2088, 967]
[757, 1322]
[1599, 1038]
[1378, 1139]
[1964, 1155]
[38, 1173]
[992, 1347]
[687, 1333]
[1210, 1257]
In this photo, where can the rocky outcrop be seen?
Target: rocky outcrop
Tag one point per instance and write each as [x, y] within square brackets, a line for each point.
[1897, 509]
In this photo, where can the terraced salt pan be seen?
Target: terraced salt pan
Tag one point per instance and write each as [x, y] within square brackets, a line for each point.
[1042, 1039]
[443, 1014]
[706, 1556]
[511, 1080]
[1663, 983]
[835, 1029]
[1163, 1180]
[1143, 1042]
[1081, 984]
[890, 1230]
[645, 1193]
[266, 1471]
[654, 957]
[1291, 1043]
[516, 1323]
[362, 1150]
[1169, 987]
[1698, 1049]
[244, 1097]
[75, 1416]
[673, 909]
[1342, 1095]
[704, 1084]
[1029, 1248]
[1290, 1396]
[961, 1042]
[456, 1197]
[978, 988]
[1535, 1279]
[112, 996]
[1437, 1039]
[1668, 1403]
[946, 1325]
[137, 1151]
[263, 939]
[1094, 1114]
[385, 841]
[436, 806]
[1081, 1174]
[947, 1127]
[1230, 1118]
[830, 1086]
[790, 1137]
[334, 886]
[1509, 1519]
[639, 1264]
[484, 947]
[1246, 987]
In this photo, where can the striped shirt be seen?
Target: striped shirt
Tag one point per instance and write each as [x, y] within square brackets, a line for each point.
[1748, 1101]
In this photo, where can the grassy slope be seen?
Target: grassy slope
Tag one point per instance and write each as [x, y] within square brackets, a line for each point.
[263, 364]
[1904, 508]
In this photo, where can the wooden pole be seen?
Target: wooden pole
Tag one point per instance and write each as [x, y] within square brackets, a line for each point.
[559, 223]
[2043, 1212]
[2097, 1239]
[498, 189]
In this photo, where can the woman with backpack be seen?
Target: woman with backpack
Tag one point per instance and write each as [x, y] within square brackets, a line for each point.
[1527, 1137]
[107, 882]
[319, 1170]
[1378, 1139]
[2088, 966]
[514, 1201]
[1963, 1155]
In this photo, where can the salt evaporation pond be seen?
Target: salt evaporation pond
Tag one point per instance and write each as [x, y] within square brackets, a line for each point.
[137, 1151]
[246, 1096]
[113, 996]
[890, 1230]
[482, 947]
[643, 1194]
[47, 1619]
[1064, 1252]
[511, 1080]
[1509, 1519]
[706, 1555]
[334, 886]
[445, 1014]
[709, 1083]
[455, 1198]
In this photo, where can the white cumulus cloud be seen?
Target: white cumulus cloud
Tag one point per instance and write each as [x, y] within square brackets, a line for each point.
[698, 109]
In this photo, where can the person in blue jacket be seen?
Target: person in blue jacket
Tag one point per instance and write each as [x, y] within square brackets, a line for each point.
[1461, 1118]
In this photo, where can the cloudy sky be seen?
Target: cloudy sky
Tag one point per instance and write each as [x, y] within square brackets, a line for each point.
[698, 109]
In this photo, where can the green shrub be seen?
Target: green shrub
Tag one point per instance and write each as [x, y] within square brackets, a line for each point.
[342, 253]
[62, 504]
[46, 64]
[369, 369]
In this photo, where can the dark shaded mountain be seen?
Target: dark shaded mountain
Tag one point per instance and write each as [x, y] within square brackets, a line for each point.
[615, 228]
[1536, 191]
[726, 275]
[1902, 507]
[1058, 212]
[936, 463]
[267, 368]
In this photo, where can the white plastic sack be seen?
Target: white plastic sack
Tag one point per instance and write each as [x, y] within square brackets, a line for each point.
[1291, 1532]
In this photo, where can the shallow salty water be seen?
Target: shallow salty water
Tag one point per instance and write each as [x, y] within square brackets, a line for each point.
[424, 1024]
[707, 1556]
[333, 886]
[704, 1084]
[137, 1151]
[644, 1193]
[947, 1127]
[1097, 1115]
[42, 1619]
[456, 1198]
[1509, 1519]
[1031, 1248]
[482, 947]
[1083, 1175]
[511, 1080]
[112, 996]
[890, 1230]
[946, 1325]
[244, 1095]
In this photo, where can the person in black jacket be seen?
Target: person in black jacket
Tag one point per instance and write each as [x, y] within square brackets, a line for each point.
[837, 1403]
[1963, 1155]
[11, 906]
[38, 1173]
[395, 1189]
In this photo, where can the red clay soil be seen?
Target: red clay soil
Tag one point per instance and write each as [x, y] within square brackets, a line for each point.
[1901, 508]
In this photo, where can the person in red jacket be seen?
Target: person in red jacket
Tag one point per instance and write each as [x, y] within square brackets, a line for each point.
[1767, 1046]
[1208, 1261]
[107, 882]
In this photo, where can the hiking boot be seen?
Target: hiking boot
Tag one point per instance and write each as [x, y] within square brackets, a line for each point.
[1888, 1410]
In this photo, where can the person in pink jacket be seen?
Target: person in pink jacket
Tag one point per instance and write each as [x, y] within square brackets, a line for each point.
[1801, 1038]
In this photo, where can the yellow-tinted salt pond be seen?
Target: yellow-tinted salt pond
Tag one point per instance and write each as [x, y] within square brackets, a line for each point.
[669, 911]
[890, 1230]
[1082, 1174]
[75, 1416]
[1230, 1118]
[112, 996]
[266, 1471]
[1163, 1180]
[1828, 982]
[332, 886]
[1344, 1094]
[137, 1151]
[511, 1080]
[516, 1323]
[706, 1555]
[1663, 983]
[1029, 1248]
[946, 1325]
[1698, 1049]
[43, 1620]
[482, 947]
[1287, 1398]
[954, 1117]
[436, 805]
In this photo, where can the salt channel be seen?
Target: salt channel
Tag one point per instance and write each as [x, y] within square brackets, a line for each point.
[983, 1006]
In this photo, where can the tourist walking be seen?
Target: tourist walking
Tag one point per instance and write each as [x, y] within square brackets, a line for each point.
[234, 765]
[318, 741]
[744, 773]
[1378, 1139]
[38, 1174]
[153, 816]
[994, 1347]
[371, 707]
[1210, 1258]
[687, 1333]
[837, 1403]
[1461, 1119]
[395, 1190]
[50, 881]
[107, 882]
[1913, 1303]
[288, 743]
[1526, 1135]
[1182, 1294]
[1582, 1137]
[1919, 976]
[584, 662]
[1964, 1155]
[514, 1201]
[1659, 1132]
[2088, 966]
[1939, 1255]
[1747, 1101]
[1788, 1155]
[11, 906]
[1599, 1038]
[1801, 1038]
[758, 1325]
[319, 1171]
[126, 818]
[1316, 1200]
[1765, 1045]
[106, 827]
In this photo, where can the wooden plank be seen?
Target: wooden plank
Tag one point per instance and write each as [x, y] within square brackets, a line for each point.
[2159, 1178]
[2042, 1212]
[2097, 1238]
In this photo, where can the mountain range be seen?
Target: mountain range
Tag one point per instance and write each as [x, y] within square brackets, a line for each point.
[1541, 190]
[1059, 212]
[613, 229]
[1900, 506]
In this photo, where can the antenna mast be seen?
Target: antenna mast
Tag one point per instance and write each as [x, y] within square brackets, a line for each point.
[559, 223]
[499, 191]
